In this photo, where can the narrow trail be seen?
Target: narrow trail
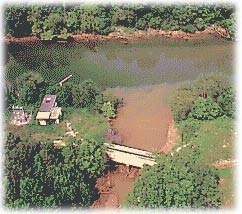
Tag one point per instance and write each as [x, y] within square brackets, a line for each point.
[143, 121]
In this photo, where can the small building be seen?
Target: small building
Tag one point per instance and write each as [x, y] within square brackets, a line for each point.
[48, 111]
[19, 116]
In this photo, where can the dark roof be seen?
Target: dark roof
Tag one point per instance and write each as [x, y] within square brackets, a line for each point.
[47, 103]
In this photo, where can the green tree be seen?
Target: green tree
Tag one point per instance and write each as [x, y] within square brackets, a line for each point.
[16, 21]
[49, 22]
[181, 181]
[123, 15]
[84, 94]
[205, 109]
[30, 88]
[40, 175]
[181, 102]
[212, 84]
[208, 97]
[89, 18]
[226, 101]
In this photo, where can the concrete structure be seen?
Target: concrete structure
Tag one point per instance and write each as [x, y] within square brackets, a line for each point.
[48, 112]
[129, 156]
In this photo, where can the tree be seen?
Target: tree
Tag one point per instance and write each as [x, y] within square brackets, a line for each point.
[212, 84]
[16, 21]
[30, 88]
[84, 94]
[89, 18]
[44, 176]
[226, 101]
[181, 103]
[49, 22]
[206, 109]
[181, 181]
[208, 97]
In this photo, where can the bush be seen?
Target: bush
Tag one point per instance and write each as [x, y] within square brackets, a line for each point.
[108, 110]
[205, 109]
[188, 129]
[226, 101]
[181, 181]
[181, 103]
[206, 98]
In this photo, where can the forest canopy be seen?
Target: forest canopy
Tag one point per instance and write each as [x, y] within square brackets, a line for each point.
[60, 21]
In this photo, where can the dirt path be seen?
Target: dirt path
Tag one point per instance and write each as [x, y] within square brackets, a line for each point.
[143, 121]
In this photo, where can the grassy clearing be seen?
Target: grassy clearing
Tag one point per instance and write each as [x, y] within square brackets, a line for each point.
[216, 140]
[227, 187]
[89, 124]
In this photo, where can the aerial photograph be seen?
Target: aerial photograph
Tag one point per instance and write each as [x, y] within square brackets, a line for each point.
[119, 106]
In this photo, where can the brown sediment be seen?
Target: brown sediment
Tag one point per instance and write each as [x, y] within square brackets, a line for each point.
[144, 119]
[125, 38]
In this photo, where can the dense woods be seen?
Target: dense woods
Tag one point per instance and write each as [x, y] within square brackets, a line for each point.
[40, 175]
[60, 21]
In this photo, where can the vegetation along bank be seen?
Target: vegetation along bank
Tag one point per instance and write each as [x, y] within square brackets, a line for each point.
[49, 22]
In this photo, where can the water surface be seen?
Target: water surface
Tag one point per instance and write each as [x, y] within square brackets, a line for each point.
[113, 64]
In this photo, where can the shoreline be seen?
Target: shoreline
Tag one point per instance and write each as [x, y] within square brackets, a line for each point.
[125, 38]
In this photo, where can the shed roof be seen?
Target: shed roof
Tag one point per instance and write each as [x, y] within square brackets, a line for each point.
[47, 103]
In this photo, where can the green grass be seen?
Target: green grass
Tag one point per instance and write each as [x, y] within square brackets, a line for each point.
[227, 187]
[216, 139]
[89, 124]
[211, 136]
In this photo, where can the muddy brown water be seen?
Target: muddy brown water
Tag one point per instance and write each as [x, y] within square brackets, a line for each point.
[143, 121]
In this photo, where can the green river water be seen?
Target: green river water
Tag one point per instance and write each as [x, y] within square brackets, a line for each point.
[112, 64]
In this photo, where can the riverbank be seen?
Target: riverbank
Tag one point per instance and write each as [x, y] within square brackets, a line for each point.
[125, 37]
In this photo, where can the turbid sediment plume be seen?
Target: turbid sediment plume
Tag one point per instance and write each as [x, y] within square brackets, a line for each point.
[143, 121]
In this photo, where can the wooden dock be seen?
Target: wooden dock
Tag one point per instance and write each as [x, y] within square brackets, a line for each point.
[129, 156]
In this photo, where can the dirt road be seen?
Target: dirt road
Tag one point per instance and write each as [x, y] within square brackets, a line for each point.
[144, 119]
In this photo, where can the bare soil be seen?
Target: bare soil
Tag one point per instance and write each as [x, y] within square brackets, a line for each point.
[124, 37]
[144, 119]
